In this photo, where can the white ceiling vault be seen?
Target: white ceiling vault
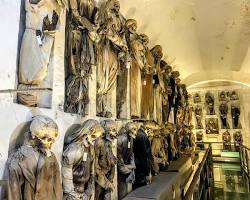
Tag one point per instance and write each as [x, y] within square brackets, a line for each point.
[203, 39]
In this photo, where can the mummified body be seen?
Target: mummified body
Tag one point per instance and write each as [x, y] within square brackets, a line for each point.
[81, 52]
[147, 99]
[143, 156]
[32, 172]
[226, 138]
[105, 161]
[158, 151]
[125, 158]
[223, 115]
[159, 88]
[112, 48]
[235, 112]
[77, 162]
[42, 18]
[166, 73]
[125, 65]
[138, 64]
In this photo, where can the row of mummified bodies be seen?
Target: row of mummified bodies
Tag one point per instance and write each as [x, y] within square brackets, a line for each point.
[223, 109]
[101, 36]
[98, 36]
[88, 161]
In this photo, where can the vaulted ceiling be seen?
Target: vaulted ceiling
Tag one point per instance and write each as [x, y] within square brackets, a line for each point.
[204, 40]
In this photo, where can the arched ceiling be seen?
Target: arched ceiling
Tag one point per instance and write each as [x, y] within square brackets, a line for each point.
[202, 39]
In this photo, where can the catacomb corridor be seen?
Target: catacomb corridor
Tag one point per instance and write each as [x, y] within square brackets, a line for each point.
[124, 99]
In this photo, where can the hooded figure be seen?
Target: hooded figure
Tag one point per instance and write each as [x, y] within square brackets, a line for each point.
[105, 161]
[77, 161]
[143, 156]
[112, 48]
[32, 172]
[125, 156]
[81, 53]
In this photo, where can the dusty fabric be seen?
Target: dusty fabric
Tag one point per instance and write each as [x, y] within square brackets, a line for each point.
[77, 165]
[105, 162]
[158, 104]
[138, 63]
[33, 65]
[147, 99]
[26, 98]
[121, 92]
[125, 163]
[143, 158]
[81, 53]
[77, 172]
[32, 175]
[158, 153]
[112, 40]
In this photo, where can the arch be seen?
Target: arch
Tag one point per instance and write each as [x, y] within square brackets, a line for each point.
[205, 77]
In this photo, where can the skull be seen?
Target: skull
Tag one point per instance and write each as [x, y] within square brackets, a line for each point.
[175, 74]
[157, 52]
[44, 130]
[131, 25]
[116, 6]
[167, 68]
[132, 128]
[149, 128]
[94, 132]
[110, 129]
[170, 128]
[144, 38]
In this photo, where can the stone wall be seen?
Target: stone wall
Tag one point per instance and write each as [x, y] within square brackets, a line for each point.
[14, 117]
[243, 93]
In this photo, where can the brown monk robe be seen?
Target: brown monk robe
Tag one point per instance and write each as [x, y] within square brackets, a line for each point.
[32, 172]
[112, 48]
[80, 53]
[27, 182]
[147, 100]
[158, 83]
[122, 78]
[158, 151]
[138, 63]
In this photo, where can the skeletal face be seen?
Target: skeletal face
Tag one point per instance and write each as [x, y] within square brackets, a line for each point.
[95, 133]
[144, 38]
[132, 26]
[113, 133]
[133, 132]
[44, 130]
[110, 128]
[46, 137]
[132, 129]
[168, 69]
[116, 6]
[149, 129]
[157, 52]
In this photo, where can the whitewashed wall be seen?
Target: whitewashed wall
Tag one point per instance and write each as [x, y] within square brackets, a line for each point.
[13, 116]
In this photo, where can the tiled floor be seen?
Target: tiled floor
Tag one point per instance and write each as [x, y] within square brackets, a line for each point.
[230, 184]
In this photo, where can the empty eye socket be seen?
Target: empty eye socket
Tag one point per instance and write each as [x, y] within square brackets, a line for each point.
[50, 140]
[93, 136]
[44, 138]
